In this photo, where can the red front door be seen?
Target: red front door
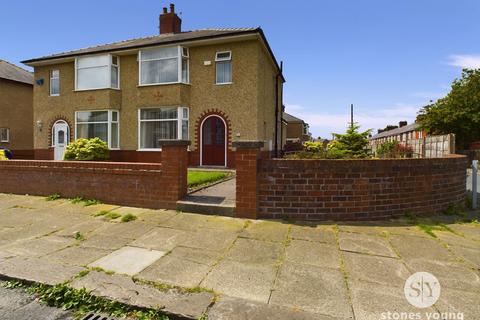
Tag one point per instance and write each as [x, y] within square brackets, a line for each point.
[213, 142]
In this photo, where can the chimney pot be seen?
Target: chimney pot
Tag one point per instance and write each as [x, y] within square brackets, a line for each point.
[172, 8]
[165, 10]
[402, 123]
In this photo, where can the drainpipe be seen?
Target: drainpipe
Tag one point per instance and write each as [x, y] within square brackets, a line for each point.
[276, 108]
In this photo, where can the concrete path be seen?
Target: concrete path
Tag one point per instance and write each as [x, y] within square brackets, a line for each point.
[15, 304]
[229, 268]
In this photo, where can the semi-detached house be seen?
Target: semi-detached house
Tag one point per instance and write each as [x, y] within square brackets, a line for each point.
[209, 86]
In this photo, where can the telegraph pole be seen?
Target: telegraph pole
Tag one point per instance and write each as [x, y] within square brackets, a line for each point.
[351, 115]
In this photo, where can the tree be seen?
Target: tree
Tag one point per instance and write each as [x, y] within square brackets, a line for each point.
[351, 144]
[458, 112]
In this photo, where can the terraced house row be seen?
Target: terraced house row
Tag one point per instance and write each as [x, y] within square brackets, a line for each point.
[209, 86]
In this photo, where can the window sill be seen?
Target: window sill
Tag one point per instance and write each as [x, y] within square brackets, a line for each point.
[162, 84]
[94, 89]
[54, 95]
[223, 84]
[149, 150]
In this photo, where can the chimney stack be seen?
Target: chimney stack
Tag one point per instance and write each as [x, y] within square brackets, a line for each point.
[169, 21]
[402, 124]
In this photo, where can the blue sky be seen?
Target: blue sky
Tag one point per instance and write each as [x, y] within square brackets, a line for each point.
[388, 58]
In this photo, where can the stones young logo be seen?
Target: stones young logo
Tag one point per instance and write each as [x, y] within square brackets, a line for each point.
[422, 289]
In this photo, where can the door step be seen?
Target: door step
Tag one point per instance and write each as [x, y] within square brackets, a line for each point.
[227, 210]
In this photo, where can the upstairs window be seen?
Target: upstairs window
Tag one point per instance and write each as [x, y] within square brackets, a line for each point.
[169, 123]
[163, 65]
[4, 135]
[55, 83]
[97, 72]
[98, 124]
[223, 65]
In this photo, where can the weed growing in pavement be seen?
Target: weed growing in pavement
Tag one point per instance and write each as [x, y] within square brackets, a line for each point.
[128, 217]
[86, 202]
[100, 213]
[112, 215]
[430, 228]
[53, 197]
[79, 237]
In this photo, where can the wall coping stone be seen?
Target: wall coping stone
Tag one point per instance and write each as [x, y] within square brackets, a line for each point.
[248, 144]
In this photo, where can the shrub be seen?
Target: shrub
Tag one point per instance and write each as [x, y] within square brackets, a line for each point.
[394, 149]
[87, 150]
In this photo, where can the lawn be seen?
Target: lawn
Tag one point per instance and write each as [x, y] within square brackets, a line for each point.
[198, 178]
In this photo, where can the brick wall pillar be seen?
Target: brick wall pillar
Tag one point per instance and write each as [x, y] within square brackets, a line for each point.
[175, 168]
[247, 155]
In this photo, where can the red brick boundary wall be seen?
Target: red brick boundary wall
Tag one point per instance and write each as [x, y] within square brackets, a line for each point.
[145, 185]
[346, 189]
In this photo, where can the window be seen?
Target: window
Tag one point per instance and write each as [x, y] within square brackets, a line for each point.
[4, 135]
[55, 83]
[163, 65]
[223, 62]
[305, 128]
[97, 72]
[156, 124]
[98, 124]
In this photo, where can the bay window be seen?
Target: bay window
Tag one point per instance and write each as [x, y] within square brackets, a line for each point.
[98, 124]
[97, 72]
[163, 65]
[167, 123]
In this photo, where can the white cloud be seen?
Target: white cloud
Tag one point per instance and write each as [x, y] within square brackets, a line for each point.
[324, 123]
[465, 61]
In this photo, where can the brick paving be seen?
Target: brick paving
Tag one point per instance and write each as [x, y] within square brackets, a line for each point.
[238, 268]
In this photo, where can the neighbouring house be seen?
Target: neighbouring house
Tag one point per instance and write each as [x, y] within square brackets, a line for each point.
[209, 86]
[297, 130]
[421, 144]
[16, 111]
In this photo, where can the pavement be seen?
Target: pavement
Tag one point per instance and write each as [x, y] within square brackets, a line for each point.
[193, 265]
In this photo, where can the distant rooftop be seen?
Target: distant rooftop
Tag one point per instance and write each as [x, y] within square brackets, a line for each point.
[394, 132]
[12, 72]
[289, 118]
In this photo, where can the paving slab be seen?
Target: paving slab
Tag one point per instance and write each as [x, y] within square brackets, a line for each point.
[450, 274]
[361, 227]
[84, 228]
[255, 251]
[157, 216]
[313, 233]
[374, 301]
[410, 247]
[11, 299]
[313, 289]
[365, 243]
[130, 230]
[38, 270]
[383, 270]
[124, 289]
[470, 231]
[103, 241]
[198, 255]
[163, 239]
[76, 255]
[37, 247]
[459, 302]
[241, 280]
[470, 255]
[185, 221]
[211, 239]
[313, 253]
[128, 260]
[228, 308]
[266, 230]
[176, 271]
[457, 240]
[224, 223]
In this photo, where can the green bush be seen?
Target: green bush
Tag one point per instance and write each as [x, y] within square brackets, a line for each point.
[87, 150]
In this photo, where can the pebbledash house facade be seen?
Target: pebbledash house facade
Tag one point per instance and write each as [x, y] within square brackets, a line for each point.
[209, 86]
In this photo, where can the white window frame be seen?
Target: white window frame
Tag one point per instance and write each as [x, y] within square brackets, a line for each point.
[180, 57]
[51, 79]
[109, 65]
[179, 120]
[7, 130]
[217, 59]
[108, 122]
